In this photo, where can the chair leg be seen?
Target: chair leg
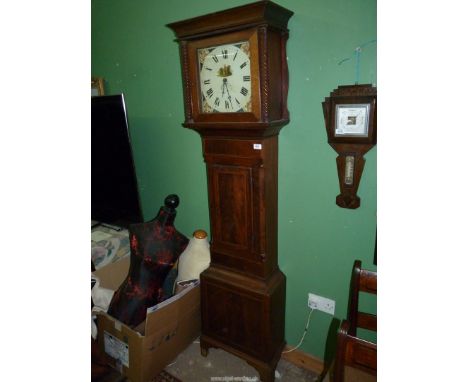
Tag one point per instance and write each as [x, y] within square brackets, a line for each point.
[337, 371]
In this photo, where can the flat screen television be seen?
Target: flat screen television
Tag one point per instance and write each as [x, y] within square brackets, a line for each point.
[114, 189]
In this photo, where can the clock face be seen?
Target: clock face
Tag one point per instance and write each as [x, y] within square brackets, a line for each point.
[352, 120]
[225, 83]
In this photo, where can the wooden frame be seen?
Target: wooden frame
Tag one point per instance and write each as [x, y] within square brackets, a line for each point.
[97, 86]
[198, 115]
[350, 95]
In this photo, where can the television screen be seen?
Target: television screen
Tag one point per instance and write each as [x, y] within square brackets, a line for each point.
[114, 189]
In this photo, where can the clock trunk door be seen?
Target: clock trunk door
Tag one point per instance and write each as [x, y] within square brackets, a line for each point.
[235, 228]
[240, 184]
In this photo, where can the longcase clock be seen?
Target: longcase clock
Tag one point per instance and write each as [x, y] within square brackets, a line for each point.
[235, 82]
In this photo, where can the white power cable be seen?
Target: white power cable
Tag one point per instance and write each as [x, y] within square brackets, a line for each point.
[303, 335]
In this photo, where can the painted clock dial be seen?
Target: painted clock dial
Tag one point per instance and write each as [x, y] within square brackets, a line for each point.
[225, 82]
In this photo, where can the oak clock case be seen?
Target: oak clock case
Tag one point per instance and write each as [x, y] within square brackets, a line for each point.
[235, 82]
[350, 114]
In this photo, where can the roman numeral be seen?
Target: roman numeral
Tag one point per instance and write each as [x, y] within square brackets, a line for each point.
[226, 104]
[207, 82]
[209, 92]
[243, 65]
[244, 91]
[207, 68]
[246, 78]
[215, 59]
[217, 101]
[238, 101]
[234, 56]
[225, 53]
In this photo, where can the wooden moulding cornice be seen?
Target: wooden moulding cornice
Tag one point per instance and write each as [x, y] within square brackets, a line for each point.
[250, 15]
[362, 90]
[255, 286]
[239, 130]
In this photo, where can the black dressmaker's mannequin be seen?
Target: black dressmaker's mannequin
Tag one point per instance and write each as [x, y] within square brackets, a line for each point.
[155, 246]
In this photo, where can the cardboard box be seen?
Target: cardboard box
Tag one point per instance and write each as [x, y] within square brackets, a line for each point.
[141, 353]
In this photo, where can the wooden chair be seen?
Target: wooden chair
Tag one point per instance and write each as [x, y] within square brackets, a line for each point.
[353, 351]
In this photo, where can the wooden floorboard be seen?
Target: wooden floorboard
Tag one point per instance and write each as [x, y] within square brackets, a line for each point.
[304, 360]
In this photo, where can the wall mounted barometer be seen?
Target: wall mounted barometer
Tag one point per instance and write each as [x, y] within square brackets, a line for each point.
[351, 121]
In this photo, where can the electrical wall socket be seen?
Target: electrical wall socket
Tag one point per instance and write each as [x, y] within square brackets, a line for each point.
[321, 303]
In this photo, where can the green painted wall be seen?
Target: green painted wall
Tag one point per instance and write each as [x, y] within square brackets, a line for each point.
[318, 241]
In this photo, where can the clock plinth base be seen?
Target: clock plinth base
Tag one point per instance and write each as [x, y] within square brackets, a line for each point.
[348, 201]
[244, 316]
[266, 370]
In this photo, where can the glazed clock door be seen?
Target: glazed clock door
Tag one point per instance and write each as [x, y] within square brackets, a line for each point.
[225, 78]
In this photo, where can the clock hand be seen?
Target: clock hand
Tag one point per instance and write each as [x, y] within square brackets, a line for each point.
[225, 86]
[225, 83]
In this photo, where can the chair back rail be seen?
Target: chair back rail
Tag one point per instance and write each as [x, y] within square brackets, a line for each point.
[367, 321]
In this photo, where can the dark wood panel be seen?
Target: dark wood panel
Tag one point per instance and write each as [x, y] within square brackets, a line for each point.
[367, 321]
[238, 320]
[250, 317]
[236, 148]
[243, 195]
[362, 355]
[368, 281]
[231, 207]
